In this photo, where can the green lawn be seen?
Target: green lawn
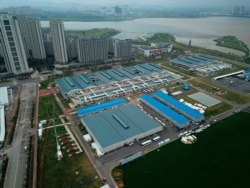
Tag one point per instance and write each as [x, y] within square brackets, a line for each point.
[105, 32]
[213, 87]
[231, 42]
[48, 107]
[63, 173]
[219, 158]
[217, 109]
[45, 84]
[53, 173]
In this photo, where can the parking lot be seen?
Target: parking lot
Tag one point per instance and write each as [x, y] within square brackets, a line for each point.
[235, 83]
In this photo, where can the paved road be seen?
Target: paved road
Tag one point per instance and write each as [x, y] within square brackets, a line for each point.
[101, 170]
[105, 164]
[16, 169]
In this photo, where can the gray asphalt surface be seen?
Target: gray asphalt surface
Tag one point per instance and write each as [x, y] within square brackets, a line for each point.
[16, 169]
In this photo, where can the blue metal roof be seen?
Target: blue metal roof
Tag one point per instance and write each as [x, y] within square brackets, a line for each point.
[181, 120]
[83, 111]
[178, 105]
[99, 78]
[192, 61]
[108, 131]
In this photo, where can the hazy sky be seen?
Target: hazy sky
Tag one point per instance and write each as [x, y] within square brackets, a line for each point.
[130, 3]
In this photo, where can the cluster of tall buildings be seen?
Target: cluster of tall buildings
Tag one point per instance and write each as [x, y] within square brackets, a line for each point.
[22, 38]
[23, 10]
[58, 41]
[11, 45]
[115, 11]
[240, 10]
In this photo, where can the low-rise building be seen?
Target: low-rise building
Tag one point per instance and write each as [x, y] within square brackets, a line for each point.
[156, 49]
[203, 65]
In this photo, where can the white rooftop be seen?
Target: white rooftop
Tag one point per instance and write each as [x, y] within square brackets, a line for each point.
[2, 124]
[4, 99]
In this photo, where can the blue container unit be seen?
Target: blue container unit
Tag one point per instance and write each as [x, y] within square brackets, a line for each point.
[190, 113]
[102, 106]
[186, 87]
[179, 120]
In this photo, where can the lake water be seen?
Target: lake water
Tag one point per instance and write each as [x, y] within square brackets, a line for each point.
[201, 31]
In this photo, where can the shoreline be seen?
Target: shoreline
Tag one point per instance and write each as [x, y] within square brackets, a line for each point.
[203, 29]
[209, 44]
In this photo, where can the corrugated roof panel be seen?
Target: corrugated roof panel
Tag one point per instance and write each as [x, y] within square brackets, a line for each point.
[106, 75]
[101, 106]
[107, 130]
[181, 120]
[156, 66]
[178, 105]
[84, 79]
[67, 84]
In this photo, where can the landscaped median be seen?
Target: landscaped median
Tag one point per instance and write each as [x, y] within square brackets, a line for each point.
[117, 175]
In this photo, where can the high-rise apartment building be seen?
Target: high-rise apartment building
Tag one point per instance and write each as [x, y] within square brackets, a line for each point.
[110, 45]
[92, 49]
[32, 37]
[71, 47]
[240, 10]
[47, 40]
[122, 49]
[11, 45]
[58, 41]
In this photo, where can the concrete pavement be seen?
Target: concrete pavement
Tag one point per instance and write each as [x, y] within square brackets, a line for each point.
[16, 169]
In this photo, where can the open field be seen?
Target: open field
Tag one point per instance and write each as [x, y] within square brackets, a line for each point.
[219, 158]
[48, 108]
[232, 42]
[217, 109]
[69, 171]
[224, 92]
[45, 84]
[210, 111]
[106, 32]
[180, 48]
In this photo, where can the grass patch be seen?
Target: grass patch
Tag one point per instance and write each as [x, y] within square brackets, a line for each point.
[54, 173]
[214, 88]
[247, 60]
[45, 84]
[105, 32]
[63, 173]
[232, 42]
[82, 129]
[180, 48]
[64, 101]
[220, 158]
[161, 37]
[217, 109]
[48, 107]
[211, 111]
